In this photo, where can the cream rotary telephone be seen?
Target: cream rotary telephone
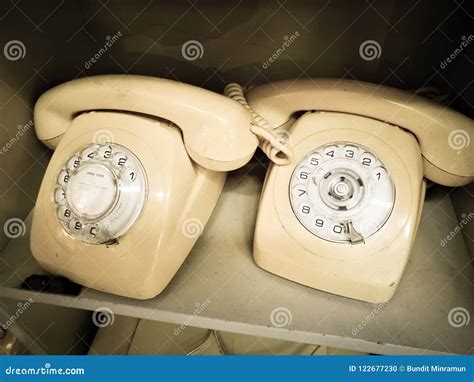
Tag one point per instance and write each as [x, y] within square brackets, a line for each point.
[343, 216]
[138, 167]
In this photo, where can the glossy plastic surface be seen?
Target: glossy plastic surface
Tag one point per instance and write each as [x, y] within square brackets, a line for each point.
[216, 130]
[442, 133]
[368, 271]
[181, 197]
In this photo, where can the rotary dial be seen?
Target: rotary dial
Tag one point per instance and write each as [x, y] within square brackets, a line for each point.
[100, 193]
[341, 192]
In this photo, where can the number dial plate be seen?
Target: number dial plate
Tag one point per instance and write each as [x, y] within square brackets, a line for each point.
[338, 184]
[100, 192]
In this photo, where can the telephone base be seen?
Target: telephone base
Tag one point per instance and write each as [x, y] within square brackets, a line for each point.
[179, 200]
[371, 270]
[357, 290]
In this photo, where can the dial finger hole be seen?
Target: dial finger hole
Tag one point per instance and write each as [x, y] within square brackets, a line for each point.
[331, 151]
[303, 173]
[75, 225]
[89, 153]
[73, 163]
[367, 159]
[91, 231]
[337, 229]
[350, 152]
[379, 174]
[131, 174]
[59, 196]
[119, 160]
[64, 213]
[63, 178]
[305, 209]
[105, 152]
[299, 191]
[319, 222]
[314, 160]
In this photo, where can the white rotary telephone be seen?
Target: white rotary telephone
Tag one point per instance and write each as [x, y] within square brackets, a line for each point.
[343, 216]
[138, 167]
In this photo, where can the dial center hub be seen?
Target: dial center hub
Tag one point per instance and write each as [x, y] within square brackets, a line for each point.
[92, 191]
[341, 189]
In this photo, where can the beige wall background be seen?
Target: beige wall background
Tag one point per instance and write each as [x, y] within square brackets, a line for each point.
[235, 38]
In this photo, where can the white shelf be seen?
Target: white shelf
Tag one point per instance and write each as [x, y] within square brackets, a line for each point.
[221, 268]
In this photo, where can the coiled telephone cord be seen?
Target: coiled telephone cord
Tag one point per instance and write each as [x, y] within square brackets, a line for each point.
[269, 142]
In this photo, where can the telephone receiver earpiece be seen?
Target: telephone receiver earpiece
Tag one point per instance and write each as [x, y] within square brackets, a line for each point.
[216, 130]
[442, 133]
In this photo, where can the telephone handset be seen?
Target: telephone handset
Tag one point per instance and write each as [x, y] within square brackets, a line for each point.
[215, 131]
[138, 167]
[343, 216]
